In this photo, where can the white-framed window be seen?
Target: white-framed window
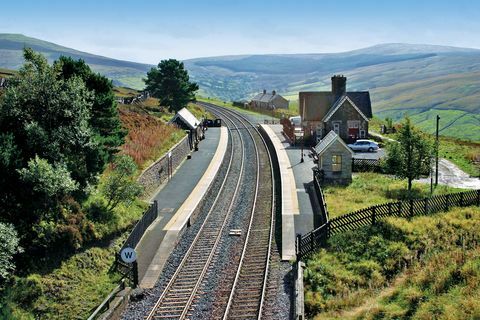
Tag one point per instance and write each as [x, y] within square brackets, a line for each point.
[336, 127]
[336, 163]
[362, 134]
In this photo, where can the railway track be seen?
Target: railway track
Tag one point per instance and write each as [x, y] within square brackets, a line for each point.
[247, 295]
[248, 178]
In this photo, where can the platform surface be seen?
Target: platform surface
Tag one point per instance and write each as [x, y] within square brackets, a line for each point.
[176, 201]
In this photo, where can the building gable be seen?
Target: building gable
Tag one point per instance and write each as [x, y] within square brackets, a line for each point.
[328, 141]
[339, 104]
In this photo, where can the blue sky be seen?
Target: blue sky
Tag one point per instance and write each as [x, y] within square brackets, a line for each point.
[147, 31]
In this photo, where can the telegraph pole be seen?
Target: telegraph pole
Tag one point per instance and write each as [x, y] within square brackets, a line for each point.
[436, 152]
[303, 129]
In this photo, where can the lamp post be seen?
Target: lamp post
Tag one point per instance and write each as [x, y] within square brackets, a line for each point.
[273, 118]
[436, 152]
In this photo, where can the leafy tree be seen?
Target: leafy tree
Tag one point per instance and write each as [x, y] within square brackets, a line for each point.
[120, 185]
[170, 83]
[104, 120]
[51, 181]
[410, 157]
[48, 150]
[8, 247]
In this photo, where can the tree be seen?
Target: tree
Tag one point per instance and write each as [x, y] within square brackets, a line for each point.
[8, 248]
[410, 157]
[120, 185]
[49, 151]
[104, 120]
[170, 83]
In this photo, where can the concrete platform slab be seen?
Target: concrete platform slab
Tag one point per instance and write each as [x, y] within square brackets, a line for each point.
[290, 207]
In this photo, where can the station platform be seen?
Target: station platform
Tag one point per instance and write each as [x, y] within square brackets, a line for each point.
[299, 203]
[176, 202]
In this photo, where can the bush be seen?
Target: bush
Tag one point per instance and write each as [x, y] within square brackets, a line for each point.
[8, 248]
[25, 291]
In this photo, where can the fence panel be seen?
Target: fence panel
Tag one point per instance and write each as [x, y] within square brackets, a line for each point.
[367, 216]
[141, 226]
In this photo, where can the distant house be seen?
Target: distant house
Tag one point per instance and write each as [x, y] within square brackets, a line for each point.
[334, 159]
[346, 113]
[185, 120]
[269, 101]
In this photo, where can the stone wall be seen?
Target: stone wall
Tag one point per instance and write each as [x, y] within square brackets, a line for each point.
[152, 177]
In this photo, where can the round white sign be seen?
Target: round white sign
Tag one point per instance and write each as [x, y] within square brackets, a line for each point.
[128, 255]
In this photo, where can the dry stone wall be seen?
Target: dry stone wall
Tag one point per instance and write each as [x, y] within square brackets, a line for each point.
[152, 177]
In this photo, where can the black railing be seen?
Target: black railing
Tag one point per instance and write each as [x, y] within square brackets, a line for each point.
[141, 226]
[317, 182]
[310, 242]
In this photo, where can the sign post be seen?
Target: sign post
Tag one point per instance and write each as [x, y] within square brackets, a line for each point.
[128, 255]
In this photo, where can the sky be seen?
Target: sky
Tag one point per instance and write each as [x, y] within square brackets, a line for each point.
[148, 31]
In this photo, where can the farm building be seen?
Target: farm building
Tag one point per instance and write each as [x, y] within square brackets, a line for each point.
[334, 159]
[346, 113]
[269, 101]
[185, 120]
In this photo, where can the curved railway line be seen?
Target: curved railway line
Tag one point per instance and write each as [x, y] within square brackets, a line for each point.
[246, 201]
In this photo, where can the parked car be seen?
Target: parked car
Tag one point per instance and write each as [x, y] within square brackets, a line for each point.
[364, 145]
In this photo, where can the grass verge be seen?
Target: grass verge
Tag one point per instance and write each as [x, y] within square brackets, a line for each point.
[368, 189]
[424, 268]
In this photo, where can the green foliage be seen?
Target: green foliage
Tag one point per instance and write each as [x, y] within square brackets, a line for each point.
[170, 83]
[69, 291]
[410, 157]
[58, 128]
[53, 181]
[408, 267]
[119, 185]
[104, 120]
[8, 247]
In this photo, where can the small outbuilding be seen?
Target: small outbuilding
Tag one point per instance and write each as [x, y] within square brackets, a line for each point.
[185, 120]
[334, 159]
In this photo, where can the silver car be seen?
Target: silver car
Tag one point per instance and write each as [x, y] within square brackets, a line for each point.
[364, 145]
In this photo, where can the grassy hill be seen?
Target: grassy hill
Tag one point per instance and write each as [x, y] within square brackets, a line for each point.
[123, 73]
[419, 80]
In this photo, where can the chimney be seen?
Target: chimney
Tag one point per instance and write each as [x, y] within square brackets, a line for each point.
[339, 86]
[264, 91]
[274, 92]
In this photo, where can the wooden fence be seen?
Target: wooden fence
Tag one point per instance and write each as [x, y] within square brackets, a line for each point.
[310, 242]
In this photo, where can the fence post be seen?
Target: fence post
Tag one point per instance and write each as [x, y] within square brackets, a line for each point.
[389, 208]
[411, 208]
[447, 200]
[155, 203]
[353, 164]
[374, 213]
[135, 274]
[461, 199]
[478, 197]
[298, 246]
[312, 242]
[400, 205]
[425, 207]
